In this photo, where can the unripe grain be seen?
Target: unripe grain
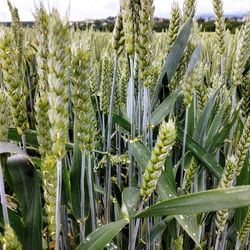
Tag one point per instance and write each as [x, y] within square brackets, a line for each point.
[165, 141]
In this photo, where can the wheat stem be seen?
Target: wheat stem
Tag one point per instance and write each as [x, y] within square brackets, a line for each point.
[58, 201]
[183, 148]
[91, 197]
[3, 198]
[108, 168]
[24, 142]
[82, 225]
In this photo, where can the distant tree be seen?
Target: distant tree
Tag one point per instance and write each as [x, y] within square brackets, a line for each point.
[109, 27]
[161, 26]
[201, 21]
[208, 26]
[98, 24]
[232, 24]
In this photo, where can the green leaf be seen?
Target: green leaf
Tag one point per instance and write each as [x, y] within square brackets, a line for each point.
[164, 187]
[202, 246]
[155, 232]
[174, 57]
[7, 147]
[103, 235]
[130, 201]
[225, 129]
[214, 128]
[31, 137]
[194, 58]
[170, 173]
[190, 127]
[189, 224]
[27, 189]
[75, 177]
[99, 189]
[66, 180]
[141, 153]
[202, 122]
[211, 200]
[165, 107]
[166, 191]
[121, 121]
[200, 153]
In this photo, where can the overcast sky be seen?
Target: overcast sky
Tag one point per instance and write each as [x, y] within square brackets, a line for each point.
[83, 9]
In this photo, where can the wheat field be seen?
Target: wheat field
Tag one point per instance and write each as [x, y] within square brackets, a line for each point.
[125, 140]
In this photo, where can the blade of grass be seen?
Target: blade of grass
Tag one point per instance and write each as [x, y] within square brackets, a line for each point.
[165, 107]
[211, 200]
[200, 153]
[27, 189]
[174, 57]
[30, 136]
[100, 237]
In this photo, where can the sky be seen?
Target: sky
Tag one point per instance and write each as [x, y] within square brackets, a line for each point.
[88, 9]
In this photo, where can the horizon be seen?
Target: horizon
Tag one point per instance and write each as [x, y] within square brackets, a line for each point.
[203, 15]
[99, 9]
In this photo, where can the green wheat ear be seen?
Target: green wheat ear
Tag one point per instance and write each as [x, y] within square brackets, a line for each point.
[18, 35]
[202, 92]
[118, 35]
[116, 160]
[106, 80]
[220, 25]
[245, 228]
[188, 7]
[48, 167]
[14, 85]
[243, 146]
[190, 172]
[246, 95]
[145, 41]
[165, 141]
[3, 117]
[58, 83]
[178, 243]
[128, 26]
[173, 26]
[242, 53]
[93, 80]
[58, 43]
[188, 89]
[83, 110]
[41, 101]
[9, 239]
[226, 181]
[125, 74]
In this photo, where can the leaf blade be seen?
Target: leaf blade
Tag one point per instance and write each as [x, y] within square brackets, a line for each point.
[165, 107]
[200, 153]
[26, 186]
[174, 57]
[100, 237]
[211, 200]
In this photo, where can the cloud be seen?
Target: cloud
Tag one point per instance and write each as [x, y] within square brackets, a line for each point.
[162, 8]
[82, 9]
